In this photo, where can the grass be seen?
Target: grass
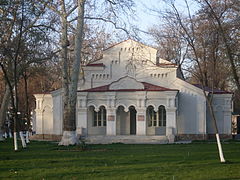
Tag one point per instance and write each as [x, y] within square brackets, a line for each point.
[45, 160]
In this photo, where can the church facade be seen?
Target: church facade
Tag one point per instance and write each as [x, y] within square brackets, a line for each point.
[131, 94]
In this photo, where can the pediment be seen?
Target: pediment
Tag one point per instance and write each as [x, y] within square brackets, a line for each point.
[126, 83]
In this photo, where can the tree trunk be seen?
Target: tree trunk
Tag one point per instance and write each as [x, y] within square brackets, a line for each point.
[27, 114]
[69, 115]
[220, 151]
[64, 59]
[3, 111]
[22, 139]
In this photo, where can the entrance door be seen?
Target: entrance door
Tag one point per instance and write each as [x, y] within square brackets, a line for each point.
[133, 113]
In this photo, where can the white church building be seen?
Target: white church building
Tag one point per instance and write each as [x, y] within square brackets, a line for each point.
[131, 95]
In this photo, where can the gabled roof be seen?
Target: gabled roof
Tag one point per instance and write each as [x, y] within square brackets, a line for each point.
[129, 39]
[210, 90]
[147, 87]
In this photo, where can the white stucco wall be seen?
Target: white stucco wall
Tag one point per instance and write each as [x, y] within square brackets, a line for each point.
[186, 108]
[57, 112]
[191, 114]
[222, 104]
[44, 114]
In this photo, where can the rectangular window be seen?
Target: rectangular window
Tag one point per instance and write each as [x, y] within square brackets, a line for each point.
[99, 118]
[95, 119]
[104, 117]
[154, 123]
[162, 116]
[99, 123]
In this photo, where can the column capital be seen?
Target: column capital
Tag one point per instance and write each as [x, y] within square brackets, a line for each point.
[141, 111]
[171, 109]
[84, 109]
[112, 110]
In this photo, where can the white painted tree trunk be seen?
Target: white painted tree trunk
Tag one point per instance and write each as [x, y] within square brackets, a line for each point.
[27, 137]
[220, 149]
[15, 141]
[10, 134]
[70, 95]
[1, 135]
[69, 138]
[22, 139]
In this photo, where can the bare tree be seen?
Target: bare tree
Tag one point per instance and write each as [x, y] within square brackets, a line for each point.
[22, 33]
[170, 44]
[225, 15]
[187, 26]
[107, 13]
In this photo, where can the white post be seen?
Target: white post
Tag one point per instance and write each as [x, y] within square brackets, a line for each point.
[27, 137]
[15, 141]
[10, 134]
[22, 139]
[220, 149]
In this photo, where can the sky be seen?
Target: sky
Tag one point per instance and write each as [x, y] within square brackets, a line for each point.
[147, 18]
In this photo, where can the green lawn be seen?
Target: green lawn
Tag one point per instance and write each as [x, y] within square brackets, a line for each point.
[45, 160]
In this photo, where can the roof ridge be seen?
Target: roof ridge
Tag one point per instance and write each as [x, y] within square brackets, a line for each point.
[147, 87]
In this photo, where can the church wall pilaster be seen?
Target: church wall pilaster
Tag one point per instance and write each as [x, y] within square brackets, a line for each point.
[141, 121]
[111, 121]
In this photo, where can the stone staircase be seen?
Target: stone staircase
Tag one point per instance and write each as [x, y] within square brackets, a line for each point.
[131, 139]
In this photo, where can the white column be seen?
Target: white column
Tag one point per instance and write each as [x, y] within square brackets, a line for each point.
[141, 121]
[171, 124]
[82, 114]
[39, 122]
[111, 122]
[82, 121]
[171, 121]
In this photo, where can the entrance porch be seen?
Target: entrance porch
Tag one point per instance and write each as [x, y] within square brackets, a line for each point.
[120, 113]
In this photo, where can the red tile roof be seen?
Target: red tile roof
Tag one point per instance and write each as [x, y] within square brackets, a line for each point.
[96, 64]
[125, 41]
[166, 65]
[147, 87]
[214, 91]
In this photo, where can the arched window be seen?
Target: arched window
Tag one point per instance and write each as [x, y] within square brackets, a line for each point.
[156, 119]
[161, 116]
[99, 118]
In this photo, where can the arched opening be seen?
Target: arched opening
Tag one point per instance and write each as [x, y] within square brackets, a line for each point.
[99, 117]
[126, 121]
[132, 112]
[156, 121]
[97, 121]
[161, 116]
